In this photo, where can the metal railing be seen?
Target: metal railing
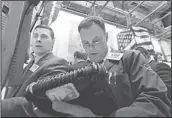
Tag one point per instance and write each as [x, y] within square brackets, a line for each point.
[136, 7]
[150, 13]
[102, 8]
[63, 8]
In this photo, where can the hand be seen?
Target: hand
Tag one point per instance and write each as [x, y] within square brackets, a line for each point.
[29, 87]
[74, 110]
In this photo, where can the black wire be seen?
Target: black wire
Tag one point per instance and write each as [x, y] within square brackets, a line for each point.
[48, 83]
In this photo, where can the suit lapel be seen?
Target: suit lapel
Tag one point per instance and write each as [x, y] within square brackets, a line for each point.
[25, 73]
[40, 62]
[108, 64]
[28, 73]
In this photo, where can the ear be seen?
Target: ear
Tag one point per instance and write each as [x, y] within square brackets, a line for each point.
[53, 41]
[106, 34]
[53, 44]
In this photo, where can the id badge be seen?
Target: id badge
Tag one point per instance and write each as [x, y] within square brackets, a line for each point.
[34, 67]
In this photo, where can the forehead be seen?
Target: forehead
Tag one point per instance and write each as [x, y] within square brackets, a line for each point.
[91, 32]
[42, 31]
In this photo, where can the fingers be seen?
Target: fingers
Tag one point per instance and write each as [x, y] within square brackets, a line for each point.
[30, 87]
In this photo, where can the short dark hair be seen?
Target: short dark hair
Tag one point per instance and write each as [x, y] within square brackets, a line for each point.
[143, 51]
[80, 55]
[46, 27]
[89, 21]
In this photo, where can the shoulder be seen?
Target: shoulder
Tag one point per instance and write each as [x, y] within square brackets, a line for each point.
[163, 70]
[134, 56]
[55, 60]
[126, 54]
[131, 59]
[163, 66]
[167, 64]
[131, 53]
[54, 65]
[59, 60]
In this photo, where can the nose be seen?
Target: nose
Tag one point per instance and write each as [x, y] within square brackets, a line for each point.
[38, 39]
[91, 46]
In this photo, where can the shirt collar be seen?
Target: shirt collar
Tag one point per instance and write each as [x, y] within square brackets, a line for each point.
[151, 59]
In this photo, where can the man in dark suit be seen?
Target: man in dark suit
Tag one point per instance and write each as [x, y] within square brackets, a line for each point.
[44, 63]
[162, 69]
[80, 60]
[137, 90]
[146, 54]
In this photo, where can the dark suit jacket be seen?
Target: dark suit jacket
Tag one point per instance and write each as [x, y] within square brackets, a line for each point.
[49, 65]
[46, 67]
[164, 71]
[137, 89]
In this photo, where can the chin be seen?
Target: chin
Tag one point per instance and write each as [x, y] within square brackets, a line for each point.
[95, 60]
[39, 53]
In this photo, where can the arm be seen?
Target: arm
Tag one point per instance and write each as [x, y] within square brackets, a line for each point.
[164, 72]
[62, 61]
[149, 92]
[54, 67]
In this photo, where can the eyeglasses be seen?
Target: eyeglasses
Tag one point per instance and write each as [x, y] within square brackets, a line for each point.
[93, 44]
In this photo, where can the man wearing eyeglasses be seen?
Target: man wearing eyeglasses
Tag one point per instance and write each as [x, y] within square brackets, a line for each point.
[137, 90]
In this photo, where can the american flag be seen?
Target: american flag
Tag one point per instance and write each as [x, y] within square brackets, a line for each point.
[134, 37]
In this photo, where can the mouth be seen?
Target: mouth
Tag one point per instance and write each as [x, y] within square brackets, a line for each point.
[93, 54]
[38, 46]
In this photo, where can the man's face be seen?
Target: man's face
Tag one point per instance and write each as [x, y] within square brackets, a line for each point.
[42, 41]
[160, 58]
[94, 42]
